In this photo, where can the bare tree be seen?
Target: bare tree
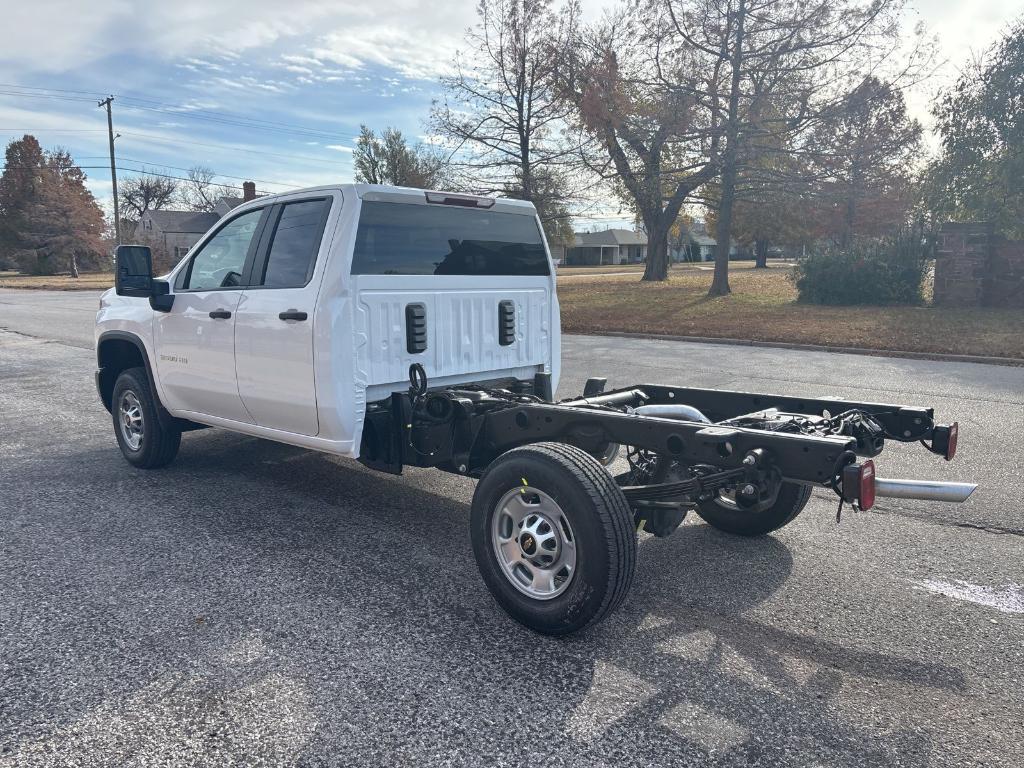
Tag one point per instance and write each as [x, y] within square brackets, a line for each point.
[775, 67]
[199, 192]
[501, 116]
[649, 134]
[145, 192]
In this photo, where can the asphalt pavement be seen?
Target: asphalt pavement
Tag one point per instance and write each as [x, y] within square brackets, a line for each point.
[257, 604]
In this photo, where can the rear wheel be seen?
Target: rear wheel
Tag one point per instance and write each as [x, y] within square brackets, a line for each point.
[553, 537]
[146, 440]
[724, 514]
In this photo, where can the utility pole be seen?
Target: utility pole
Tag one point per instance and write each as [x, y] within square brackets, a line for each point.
[113, 168]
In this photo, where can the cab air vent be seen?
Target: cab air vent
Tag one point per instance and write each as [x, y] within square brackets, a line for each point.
[415, 328]
[506, 323]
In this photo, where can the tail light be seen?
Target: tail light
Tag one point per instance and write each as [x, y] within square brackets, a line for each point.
[944, 440]
[954, 430]
[859, 484]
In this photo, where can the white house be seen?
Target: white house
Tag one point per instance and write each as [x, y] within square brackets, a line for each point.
[611, 246]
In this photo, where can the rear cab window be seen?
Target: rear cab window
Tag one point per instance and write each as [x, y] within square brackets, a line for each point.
[412, 239]
[296, 233]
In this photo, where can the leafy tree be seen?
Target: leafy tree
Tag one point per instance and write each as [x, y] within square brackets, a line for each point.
[52, 221]
[501, 114]
[980, 171]
[390, 160]
[19, 188]
[863, 154]
[145, 192]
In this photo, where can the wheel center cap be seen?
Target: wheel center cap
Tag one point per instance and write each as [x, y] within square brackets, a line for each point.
[528, 544]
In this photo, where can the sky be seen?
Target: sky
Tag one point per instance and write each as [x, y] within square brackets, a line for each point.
[276, 92]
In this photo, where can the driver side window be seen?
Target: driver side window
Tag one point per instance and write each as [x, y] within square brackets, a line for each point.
[221, 261]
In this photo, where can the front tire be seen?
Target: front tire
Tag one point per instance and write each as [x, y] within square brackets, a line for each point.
[553, 537]
[726, 516]
[146, 440]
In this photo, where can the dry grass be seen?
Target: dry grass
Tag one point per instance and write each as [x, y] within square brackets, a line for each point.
[639, 268]
[763, 307]
[89, 281]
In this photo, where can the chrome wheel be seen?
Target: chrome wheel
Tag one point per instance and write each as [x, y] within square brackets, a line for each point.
[534, 543]
[130, 412]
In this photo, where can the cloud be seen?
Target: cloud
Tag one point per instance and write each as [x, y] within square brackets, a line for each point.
[411, 37]
[339, 148]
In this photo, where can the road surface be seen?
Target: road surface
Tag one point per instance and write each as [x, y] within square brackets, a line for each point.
[261, 604]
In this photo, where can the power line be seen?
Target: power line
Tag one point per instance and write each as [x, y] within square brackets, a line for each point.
[57, 130]
[180, 168]
[169, 140]
[146, 172]
[215, 116]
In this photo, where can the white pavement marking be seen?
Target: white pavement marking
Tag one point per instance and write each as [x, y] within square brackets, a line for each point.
[1008, 599]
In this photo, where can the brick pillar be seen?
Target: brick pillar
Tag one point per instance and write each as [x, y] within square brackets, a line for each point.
[962, 264]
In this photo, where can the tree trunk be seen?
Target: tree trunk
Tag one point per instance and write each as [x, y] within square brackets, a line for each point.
[657, 254]
[849, 218]
[723, 232]
[74, 265]
[761, 254]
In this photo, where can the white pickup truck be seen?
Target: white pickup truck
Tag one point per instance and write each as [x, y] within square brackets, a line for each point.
[408, 327]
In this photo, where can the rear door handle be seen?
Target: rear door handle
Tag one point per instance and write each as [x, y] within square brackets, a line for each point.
[220, 314]
[293, 314]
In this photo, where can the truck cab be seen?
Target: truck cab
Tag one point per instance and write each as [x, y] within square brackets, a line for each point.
[297, 311]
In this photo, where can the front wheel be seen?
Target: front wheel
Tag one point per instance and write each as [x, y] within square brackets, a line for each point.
[724, 514]
[146, 441]
[553, 536]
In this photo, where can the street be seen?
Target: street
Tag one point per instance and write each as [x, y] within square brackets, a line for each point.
[258, 604]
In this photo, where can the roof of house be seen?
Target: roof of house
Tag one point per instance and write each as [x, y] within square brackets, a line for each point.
[183, 221]
[609, 237]
[231, 202]
[699, 239]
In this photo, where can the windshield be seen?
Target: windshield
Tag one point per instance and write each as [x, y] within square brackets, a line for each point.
[410, 239]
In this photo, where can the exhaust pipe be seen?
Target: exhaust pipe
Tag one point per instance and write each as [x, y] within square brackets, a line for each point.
[927, 490]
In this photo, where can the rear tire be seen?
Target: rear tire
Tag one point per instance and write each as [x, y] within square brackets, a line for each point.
[724, 516]
[148, 438]
[553, 537]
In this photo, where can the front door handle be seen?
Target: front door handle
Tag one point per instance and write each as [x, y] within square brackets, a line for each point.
[220, 314]
[293, 314]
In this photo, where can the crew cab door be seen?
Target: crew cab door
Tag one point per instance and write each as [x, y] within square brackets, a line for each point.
[274, 321]
[195, 341]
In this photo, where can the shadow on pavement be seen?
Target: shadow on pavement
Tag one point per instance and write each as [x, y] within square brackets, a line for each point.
[260, 600]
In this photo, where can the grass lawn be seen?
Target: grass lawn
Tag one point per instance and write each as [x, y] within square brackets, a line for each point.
[763, 307]
[89, 281]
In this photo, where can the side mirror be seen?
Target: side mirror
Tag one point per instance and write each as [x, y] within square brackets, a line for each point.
[133, 270]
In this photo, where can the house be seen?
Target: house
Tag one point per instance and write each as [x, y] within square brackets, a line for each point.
[175, 232]
[701, 246]
[611, 246]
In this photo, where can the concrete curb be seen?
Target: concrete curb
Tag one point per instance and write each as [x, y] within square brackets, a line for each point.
[1009, 361]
